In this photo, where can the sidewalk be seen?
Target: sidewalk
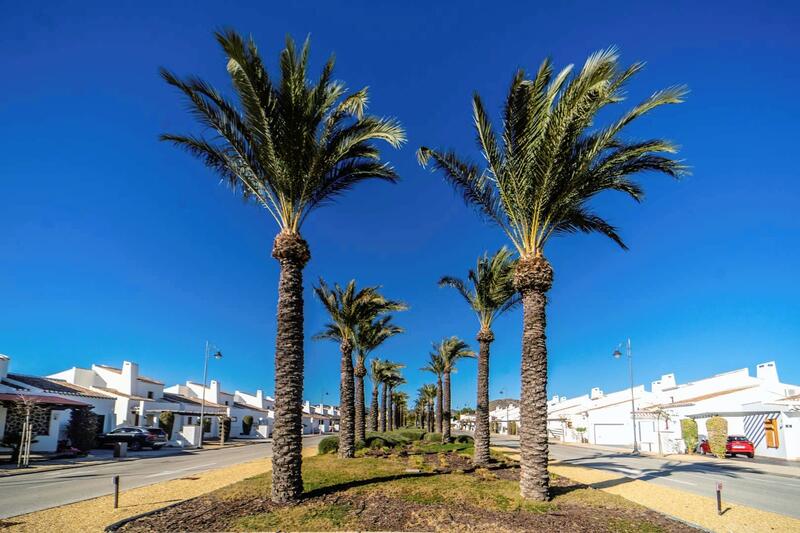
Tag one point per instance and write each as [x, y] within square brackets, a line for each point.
[102, 456]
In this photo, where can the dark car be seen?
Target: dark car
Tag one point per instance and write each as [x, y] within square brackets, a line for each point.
[737, 444]
[137, 438]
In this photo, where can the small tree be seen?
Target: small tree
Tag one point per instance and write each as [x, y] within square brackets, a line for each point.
[717, 435]
[512, 427]
[165, 421]
[82, 429]
[689, 432]
[580, 432]
[247, 424]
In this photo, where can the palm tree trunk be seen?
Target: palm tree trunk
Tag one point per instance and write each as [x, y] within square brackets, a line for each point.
[390, 410]
[533, 277]
[482, 456]
[347, 447]
[446, 412]
[439, 404]
[373, 409]
[383, 409]
[292, 253]
[360, 407]
[430, 417]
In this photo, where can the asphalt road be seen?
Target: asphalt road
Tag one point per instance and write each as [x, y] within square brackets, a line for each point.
[741, 484]
[41, 490]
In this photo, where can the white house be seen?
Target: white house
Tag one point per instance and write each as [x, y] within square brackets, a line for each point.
[54, 402]
[760, 407]
[505, 419]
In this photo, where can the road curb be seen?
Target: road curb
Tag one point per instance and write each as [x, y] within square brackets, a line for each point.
[39, 470]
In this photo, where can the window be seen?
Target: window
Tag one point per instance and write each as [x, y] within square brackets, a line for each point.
[189, 420]
[149, 395]
[771, 431]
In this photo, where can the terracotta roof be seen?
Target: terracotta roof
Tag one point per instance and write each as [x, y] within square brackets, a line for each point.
[115, 392]
[42, 399]
[794, 397]
[171, 397]
[252, 408]
[690, 401]
[56, 385]
[141, 378]
[12, 385]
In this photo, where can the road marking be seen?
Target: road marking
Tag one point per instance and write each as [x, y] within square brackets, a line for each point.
[66, 473]
[666, 478]
[168, 472]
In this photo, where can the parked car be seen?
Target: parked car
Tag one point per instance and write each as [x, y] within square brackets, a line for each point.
[137, 438]
[736, 445]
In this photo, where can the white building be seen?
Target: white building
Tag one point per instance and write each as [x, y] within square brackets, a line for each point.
[760, 407]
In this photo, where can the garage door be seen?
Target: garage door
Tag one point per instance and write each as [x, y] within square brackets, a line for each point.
[610, 434]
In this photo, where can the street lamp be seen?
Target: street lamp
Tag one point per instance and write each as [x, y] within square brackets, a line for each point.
[508, 432]
[322, 412]
[217, 355]
[617, 354]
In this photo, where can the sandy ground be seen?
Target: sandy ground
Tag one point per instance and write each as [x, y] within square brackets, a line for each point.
[692, 508]
[96, 514]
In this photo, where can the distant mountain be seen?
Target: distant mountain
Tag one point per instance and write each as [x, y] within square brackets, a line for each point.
[502, 403]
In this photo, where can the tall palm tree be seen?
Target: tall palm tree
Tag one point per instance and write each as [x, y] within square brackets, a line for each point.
[392, 381]
[428, 394]
[369, 335]
[489, 292]
[386, 370]
[348, 309]
[450, 351]
[436, 366]
[550, 161]
[400, 400]
[291, 145]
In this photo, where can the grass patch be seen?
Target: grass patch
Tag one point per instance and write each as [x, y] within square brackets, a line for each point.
[379, 493]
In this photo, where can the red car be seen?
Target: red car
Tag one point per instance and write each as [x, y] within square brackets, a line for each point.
[737, 444]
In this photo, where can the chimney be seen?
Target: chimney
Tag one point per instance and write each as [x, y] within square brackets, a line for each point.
[307, 407]
[563, 399]
[213, 391]
[555, 398]
[767, 372]
[596, 393]
[4, 362]
[130, 378]
[260, 398]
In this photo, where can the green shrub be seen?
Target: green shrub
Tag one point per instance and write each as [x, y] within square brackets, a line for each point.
[247, 424]
[433, 437]
[717, 435]
[328, 445]
[463, 439]
[410, 434]
[82, 428]
[689, 431]
[165, 421]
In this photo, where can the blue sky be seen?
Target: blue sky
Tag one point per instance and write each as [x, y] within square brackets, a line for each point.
[114, 246]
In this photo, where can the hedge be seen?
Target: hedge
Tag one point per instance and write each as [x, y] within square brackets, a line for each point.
[328, 445]
[433, 437]
[717, 435]
[689, 431]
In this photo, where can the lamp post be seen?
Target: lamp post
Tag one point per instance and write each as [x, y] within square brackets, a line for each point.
[508, 432]
[617, 354]
[217, 355]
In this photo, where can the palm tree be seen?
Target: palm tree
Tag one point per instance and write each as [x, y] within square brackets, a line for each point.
[291, 145]
[450, 351]
[348, 309]
[392, 381]
[400, 400]
[489, 292]
[539, 180]
[369, 335]
[381, 371]
[436, 366]
[428, 394]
